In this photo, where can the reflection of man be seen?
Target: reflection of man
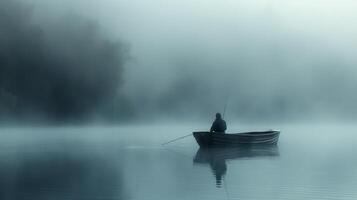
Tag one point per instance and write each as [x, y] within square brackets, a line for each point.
[219, 169]
[219, 125]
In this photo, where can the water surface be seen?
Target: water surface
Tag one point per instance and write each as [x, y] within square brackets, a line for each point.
[312, 161]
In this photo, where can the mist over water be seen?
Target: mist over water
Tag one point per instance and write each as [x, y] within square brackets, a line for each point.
[115, 60]
[91, 90]
[116, 79]
[268, 62]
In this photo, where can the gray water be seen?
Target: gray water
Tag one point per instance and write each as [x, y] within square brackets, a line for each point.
[312, 161]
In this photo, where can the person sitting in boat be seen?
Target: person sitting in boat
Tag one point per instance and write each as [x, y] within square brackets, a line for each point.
[219, 125]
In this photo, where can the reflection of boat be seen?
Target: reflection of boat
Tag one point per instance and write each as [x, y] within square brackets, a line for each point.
[207, 139]
[216, 157]
[205, 155]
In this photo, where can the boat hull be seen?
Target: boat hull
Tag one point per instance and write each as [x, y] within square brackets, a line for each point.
[207, 139]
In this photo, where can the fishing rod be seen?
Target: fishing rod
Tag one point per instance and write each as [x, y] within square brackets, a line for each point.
[226, 103]
[225, 107]
[179, 138]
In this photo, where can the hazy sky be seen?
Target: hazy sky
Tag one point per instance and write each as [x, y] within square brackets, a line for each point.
[271, 57]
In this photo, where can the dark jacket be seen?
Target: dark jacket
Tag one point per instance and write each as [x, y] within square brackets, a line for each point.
[219, 125]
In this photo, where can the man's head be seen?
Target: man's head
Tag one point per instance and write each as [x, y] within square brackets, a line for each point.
[218, 116]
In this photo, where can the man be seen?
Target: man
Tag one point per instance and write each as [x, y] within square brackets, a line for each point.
[219, 125]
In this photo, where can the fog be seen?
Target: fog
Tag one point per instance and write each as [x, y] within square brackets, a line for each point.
[61, 70]
[116, 60]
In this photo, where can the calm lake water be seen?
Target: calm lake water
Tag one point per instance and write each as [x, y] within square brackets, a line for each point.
[312, 161]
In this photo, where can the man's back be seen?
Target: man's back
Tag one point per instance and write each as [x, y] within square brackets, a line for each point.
[219, 125]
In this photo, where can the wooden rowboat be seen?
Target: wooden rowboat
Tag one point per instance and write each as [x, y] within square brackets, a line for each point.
[207, 139]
